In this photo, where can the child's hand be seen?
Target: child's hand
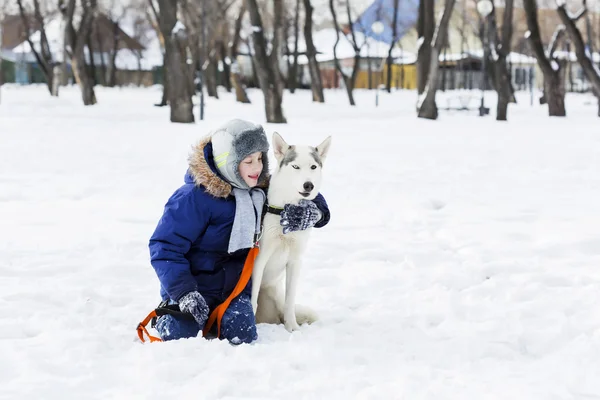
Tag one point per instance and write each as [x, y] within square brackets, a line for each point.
[194, 303]
[299, 217]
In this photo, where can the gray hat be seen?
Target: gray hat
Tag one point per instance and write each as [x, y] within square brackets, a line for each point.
[233, 142]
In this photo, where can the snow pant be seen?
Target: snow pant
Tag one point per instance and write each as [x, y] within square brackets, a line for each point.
[237, 326]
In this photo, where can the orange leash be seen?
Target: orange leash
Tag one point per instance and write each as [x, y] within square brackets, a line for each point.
[141, 329]
[217, 313]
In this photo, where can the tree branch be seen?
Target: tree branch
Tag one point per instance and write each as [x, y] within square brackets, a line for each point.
[337, 37]
[28, 32]
[354, 44]
[583, 57]
[533, 36]
[227, 6]
[439, 38]
[580, 14]
[236, 32]
[557, 38]
[507, 25]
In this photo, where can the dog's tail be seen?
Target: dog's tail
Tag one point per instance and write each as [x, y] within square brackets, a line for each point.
[305, 315]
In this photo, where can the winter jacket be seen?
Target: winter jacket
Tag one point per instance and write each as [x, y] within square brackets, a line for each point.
[188, 249]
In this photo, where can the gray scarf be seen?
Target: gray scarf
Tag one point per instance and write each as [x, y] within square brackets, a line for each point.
[246, 223]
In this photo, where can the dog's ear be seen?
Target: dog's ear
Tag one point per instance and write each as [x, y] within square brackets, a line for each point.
[280, 147]
[323, 148]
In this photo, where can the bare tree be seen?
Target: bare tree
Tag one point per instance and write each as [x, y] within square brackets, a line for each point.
[500, 47]
[349, 81]
[223, 52]
[293, 71]
[316, 83]
[394, 40]
[590, 70]
[43, 56]
[75, 42]
[236, 80]
[427, 106]
[176, 56]
[553, 71]
[212, 71]
[425, 30]
[278, 44]
[141, 27]
[153, 17]
[269, 76]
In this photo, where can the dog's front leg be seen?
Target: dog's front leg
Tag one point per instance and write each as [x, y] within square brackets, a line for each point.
[292, 272]
[257, 273]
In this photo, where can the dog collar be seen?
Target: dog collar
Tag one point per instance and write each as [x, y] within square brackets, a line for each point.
[273, 210]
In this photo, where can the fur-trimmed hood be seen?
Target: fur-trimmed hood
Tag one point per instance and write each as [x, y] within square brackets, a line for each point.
[203, 172]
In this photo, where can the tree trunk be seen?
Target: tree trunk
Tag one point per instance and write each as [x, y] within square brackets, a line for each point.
[83, 79]
[583, 58]
[102, 73]
[277, 45]
[154, 18]
[44, 57]
[165, 93]
[111, 78]
[349, 81]
[254, 68]
[555, 96]
[211, 77]
[240, 91]
[226, 66]
[264, 70]
[293, 74]
[177, 77]
[502, 81]
[551, 68]
[92, 69]
[503, 95]
[56, 80]
[75, 41]
[428, 107]
[316, 83]
[425, 30]
[139, 56]
[388, 83]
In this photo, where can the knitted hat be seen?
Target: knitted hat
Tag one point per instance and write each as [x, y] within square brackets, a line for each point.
[233, 142]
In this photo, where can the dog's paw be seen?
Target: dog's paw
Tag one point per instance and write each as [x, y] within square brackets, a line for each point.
[291, 325]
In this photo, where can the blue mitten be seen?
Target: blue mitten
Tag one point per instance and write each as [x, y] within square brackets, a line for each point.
[299, 217]
[194, 303]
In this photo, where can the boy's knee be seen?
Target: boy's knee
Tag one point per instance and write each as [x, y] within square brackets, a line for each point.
[171, 328]
[239, 325]
[244, 334]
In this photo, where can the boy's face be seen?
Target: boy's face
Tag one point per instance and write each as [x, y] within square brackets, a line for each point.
[251, 167]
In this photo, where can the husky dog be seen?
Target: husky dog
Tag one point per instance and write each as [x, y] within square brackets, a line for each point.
[297, 177]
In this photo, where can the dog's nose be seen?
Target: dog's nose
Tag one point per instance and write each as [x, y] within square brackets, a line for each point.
[308, 186]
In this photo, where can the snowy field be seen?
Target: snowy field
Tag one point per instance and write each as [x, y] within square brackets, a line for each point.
[462, 260]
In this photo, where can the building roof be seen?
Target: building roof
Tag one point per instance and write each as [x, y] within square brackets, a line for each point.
[14, 33]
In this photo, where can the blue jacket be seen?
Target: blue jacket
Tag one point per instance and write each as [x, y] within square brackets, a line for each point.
[188, 249]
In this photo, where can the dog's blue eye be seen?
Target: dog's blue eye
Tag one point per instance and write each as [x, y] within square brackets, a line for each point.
[313, 167]
[295, 167]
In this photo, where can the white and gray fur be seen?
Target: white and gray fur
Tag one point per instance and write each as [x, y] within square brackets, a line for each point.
[276, 269]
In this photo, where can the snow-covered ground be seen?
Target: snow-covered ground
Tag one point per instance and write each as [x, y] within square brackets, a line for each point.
[461, 261]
